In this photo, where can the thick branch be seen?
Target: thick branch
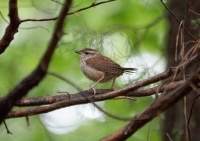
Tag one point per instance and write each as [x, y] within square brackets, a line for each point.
[12, 28]
[153, 110]
[72, 97]
[80, 98]
[22, 88]
[109, 95]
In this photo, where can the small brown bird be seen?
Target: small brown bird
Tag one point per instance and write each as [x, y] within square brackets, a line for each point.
[100, 68]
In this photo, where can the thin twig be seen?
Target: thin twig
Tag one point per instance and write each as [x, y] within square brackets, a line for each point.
[65, 79]
[177, 40]
[34, 27]
[125, 97]
[70, 13]
[170, 139]
[194, 12]
[57, 2]
[8, 131]
[178, 21]
[148, 133]
[3, 17]
[27, 121]
[92, 5]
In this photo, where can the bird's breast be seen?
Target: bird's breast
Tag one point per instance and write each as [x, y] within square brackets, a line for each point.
[94, 74]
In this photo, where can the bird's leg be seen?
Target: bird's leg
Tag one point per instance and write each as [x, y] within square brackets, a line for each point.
[112, 87]
[92, 87]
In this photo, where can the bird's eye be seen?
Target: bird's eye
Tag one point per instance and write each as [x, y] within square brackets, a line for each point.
[86, 53]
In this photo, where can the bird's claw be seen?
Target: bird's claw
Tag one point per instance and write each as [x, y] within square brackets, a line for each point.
[93, 89]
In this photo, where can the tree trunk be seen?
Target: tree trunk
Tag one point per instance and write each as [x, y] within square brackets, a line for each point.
[174, 122]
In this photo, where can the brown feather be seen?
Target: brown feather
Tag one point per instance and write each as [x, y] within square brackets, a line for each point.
[107, 65]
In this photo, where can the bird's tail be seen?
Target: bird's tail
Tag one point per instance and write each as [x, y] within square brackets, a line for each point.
[130, 70]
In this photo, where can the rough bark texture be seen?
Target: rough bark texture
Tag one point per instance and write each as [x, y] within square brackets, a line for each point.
[34, 78]
[174, 124]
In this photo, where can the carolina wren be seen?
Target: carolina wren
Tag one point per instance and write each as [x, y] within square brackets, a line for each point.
[100, 68]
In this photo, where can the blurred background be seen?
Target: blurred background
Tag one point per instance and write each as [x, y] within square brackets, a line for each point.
[132, 33]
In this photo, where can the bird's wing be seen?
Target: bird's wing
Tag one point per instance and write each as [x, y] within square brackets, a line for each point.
[105, 64]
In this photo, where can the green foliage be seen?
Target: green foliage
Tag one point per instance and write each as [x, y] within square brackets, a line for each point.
[120, 29]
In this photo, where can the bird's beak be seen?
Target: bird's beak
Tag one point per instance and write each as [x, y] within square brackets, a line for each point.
[78, 52]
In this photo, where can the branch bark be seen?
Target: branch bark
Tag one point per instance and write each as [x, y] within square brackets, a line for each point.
[61, 101]
[32, 80]
[72, 97]
[12, 28]
[82, 100]
[108, 95]
[154, 109]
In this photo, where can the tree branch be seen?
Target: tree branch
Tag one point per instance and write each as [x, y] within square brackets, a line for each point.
[12, 28]
[153, 110]
[32, 80]
[70, 13]
[72, 97]
[57, 102]
[162, 1]
[84, 99]
[66, 80]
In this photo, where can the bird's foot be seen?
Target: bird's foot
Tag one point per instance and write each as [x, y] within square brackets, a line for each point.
[112, 89]
[93, 89]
